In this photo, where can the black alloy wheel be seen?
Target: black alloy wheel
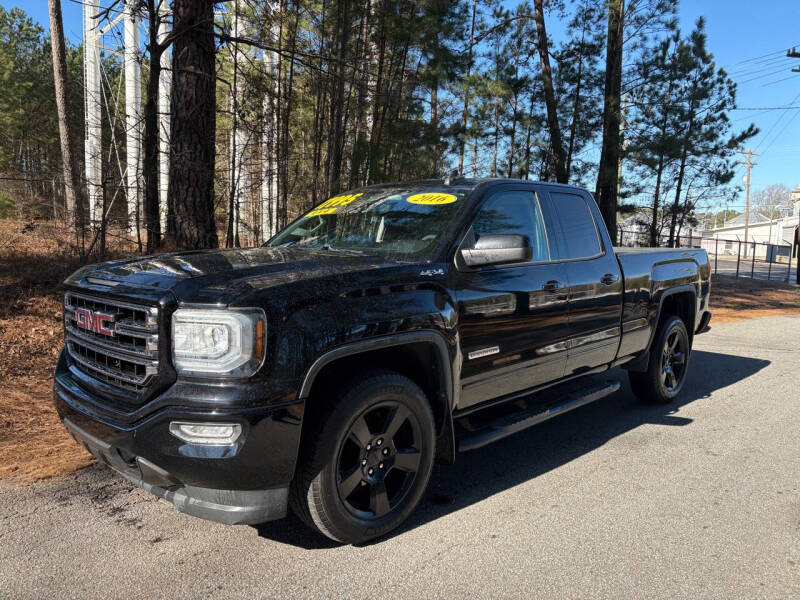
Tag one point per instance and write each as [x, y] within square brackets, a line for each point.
[667, 366]
[673, 361]
[378, 460]
[366, 457]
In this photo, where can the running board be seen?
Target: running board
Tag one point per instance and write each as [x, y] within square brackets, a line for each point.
[515, 422]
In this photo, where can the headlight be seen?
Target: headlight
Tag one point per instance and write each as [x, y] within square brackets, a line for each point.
[218, 342]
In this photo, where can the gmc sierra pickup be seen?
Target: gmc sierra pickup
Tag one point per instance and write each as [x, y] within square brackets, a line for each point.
[386, 328]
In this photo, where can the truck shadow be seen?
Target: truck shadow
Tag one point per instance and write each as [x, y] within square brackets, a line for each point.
[482, 473]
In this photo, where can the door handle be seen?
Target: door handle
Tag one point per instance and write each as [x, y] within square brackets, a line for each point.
[551, 286]
[609, 278]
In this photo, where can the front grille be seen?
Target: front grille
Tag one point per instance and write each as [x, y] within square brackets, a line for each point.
[122, 351]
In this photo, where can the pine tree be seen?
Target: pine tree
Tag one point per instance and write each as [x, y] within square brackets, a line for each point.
[705, 144]
[579, 85]
[192, 151]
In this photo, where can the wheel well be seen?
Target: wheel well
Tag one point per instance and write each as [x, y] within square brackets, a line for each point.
[682, 305]
[421, 362]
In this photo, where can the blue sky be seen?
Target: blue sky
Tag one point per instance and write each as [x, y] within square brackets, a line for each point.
[739, 31]
[747, 38]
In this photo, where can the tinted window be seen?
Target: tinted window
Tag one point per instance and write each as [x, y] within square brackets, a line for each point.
[515, 212]
[580, 238]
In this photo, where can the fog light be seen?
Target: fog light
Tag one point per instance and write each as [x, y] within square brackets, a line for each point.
[209, 434]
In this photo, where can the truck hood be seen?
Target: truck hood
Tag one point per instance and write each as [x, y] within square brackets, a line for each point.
[223, 276]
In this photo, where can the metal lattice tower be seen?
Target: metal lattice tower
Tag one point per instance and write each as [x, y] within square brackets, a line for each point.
[93, 32]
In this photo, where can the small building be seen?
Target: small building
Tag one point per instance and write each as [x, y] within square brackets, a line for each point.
[763, 231]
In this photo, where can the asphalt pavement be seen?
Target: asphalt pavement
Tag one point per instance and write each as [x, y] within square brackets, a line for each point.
[758, 269]
[699, 499]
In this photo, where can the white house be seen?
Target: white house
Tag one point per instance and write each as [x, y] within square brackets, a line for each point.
[761, 230]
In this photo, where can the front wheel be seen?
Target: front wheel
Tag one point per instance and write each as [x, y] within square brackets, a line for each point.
[366, 459]
[669, 362]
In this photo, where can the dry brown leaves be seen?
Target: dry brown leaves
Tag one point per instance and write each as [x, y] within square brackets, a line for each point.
[736, 299]
[35, 257]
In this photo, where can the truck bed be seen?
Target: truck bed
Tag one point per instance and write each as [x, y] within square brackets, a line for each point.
[650, 274]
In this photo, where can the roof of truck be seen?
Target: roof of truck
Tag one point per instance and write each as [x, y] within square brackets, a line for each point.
[474, 182]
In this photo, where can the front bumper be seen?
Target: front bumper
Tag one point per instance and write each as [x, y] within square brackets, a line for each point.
[224, 506]
[246, 482]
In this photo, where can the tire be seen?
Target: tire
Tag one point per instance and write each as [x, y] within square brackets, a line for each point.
[667, 367]
[365, 460]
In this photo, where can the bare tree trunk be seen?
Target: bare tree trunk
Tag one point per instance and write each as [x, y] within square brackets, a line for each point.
[654, 229]
[283, 156]
[379, 104]
[608, 174]
[337, 100]
[528, 137]
[682, 172]
[191, 173]
[434, 123]
[232, 229]
[576, 111]
[152, 222]
[465, 115]
[557, 145]
[362, 99]
[513, 136]
[71, 178]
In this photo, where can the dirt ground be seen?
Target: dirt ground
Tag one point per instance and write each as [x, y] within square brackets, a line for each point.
[736, 299]
[36, 257]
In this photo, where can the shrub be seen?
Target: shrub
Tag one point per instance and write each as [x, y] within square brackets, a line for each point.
[7, 207]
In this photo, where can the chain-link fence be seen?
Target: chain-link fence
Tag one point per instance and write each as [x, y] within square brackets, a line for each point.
[758, 260]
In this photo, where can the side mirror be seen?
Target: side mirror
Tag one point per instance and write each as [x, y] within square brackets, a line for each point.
[497, 249]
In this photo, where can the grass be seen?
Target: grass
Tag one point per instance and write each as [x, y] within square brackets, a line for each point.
[36, 257]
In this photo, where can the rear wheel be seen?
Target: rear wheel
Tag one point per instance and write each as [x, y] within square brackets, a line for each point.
[366, 460]
[669, 362]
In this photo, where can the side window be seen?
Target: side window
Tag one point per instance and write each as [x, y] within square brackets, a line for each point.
[580, 238]
[514, 212]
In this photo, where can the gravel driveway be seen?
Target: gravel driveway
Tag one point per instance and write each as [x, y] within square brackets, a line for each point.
[697, 499]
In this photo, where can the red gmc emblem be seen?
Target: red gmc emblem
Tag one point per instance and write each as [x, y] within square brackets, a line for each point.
[94, 321]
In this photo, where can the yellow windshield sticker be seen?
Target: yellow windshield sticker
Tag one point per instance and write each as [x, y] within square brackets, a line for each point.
[431, 198]
[331, 205]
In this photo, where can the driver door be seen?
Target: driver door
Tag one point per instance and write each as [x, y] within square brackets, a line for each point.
[513, 318]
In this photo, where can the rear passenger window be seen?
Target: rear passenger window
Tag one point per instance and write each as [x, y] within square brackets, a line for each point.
[580, 238]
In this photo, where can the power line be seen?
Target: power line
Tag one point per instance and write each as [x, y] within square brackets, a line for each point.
[793, 103]
[766, 108]
[756, 67]
[782, 69]
[780, 133]
[755, 58]
[779, 80]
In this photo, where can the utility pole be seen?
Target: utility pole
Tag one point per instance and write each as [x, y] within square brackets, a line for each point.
[749, 164]
[793, 53]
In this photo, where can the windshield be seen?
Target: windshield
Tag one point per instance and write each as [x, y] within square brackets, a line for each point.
[398, 222]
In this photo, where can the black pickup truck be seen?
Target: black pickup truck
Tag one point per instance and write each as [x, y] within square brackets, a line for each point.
[385, 329]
